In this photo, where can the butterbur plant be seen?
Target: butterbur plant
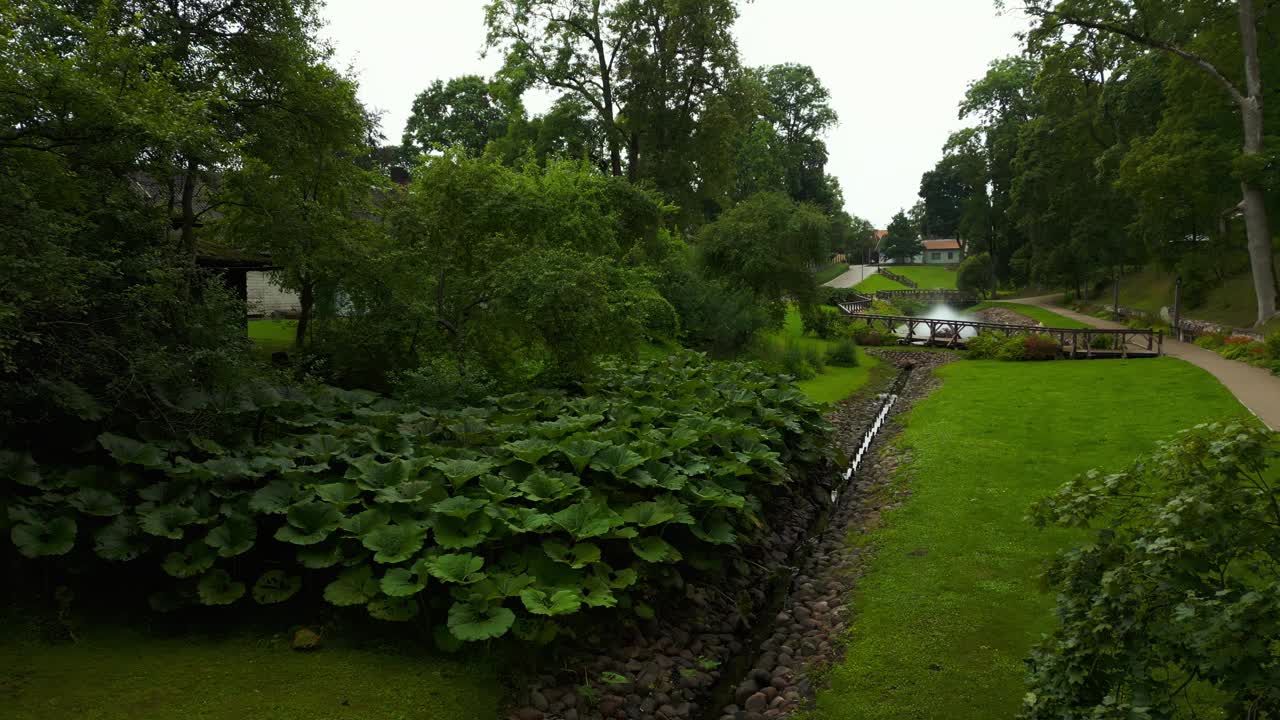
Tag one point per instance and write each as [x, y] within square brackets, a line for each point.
[505, 518]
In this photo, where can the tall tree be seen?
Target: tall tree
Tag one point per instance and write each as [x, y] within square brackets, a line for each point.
[462, 113]
[902, 243]
[800, 110]
[1172, 28]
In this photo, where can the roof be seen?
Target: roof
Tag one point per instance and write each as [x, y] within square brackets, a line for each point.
[941, 244]
[881, 233]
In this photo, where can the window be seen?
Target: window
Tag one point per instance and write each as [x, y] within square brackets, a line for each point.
[937, 255]
[951, 254]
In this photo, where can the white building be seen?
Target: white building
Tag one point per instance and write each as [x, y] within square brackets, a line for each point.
[266, 298]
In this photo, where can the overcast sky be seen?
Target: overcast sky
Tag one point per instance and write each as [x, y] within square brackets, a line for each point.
[896, 70]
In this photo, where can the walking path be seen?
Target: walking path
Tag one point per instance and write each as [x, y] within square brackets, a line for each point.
[1255, 388]
[855, 275]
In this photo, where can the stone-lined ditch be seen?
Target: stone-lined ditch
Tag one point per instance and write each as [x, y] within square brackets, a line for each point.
[750, 650]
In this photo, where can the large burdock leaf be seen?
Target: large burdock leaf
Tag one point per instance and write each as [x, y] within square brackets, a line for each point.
[355, 586]
[578, 556]
[470, 623]
[454, 534]
[189, 562]
[543, 486]
[217, 588]
[457, 568]
[580, 451]
[655, 550]
[322, 447]
[365, 522]
[714, 529]
[131, 452]
[309, 523]
[340, 494]
[599, 594]
[460, 506]
[275, 586]
[460, 472]
[92, 501]
[275, 497]
[617, 460]
[587, 519]
[520, 519]
[402, 582]
[167, 521]
[370, 474]
[20, 467]
[394, 543]
[234, 536]
[664, 509]
[530, 450]
[320, 556]
[119, 541]
[407, 492]
[394, 609]
[49, 537]
[560, 602]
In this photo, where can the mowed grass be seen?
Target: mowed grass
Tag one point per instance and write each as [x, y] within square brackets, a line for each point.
[928, 277]
[272, 335]
[879, 282]
[1048, 318]
[118, 674]
[951, 603]
[835, 383]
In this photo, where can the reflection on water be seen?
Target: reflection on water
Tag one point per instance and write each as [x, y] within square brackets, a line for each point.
[938, 312]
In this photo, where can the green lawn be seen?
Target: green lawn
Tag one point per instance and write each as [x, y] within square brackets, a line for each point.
[835, 383]
[116, 674]
[1046, 317]
[830, 272]
[271, 335]
[951, 603]
[879, 282]
[927, 277]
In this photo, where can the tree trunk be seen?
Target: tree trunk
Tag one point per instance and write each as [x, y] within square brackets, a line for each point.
[1255, 211]
[306, 301]
[189, 210]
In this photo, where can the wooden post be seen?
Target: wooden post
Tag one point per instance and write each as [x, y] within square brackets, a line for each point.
[1124, 346]
[1074, 343]
[1177, 306]
[1159, 343]
[1115, 295]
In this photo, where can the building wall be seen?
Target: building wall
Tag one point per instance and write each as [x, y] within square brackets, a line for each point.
[939, 257]
[266, 298]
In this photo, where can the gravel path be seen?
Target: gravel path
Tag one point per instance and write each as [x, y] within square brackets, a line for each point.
[1255, 388]
[854, 275]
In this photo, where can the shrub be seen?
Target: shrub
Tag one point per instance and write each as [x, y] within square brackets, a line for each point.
[1273, 345]
[868, 336]
[441, 383]
[983, 346]
[845, 354]
[518, 513]
[1040, 347]
[974, 274]
[1012, 349]
[910, 307]
[820, 320]
[882, 307]
[1177, 582]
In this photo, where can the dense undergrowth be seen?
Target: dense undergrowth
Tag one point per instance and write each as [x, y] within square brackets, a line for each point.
[483, 520]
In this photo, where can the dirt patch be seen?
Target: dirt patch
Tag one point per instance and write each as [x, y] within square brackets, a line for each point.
[1005, 316]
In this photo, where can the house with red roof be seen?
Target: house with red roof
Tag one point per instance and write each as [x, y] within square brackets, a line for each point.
[942, 252]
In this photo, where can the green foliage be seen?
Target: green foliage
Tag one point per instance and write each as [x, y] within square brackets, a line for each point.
[844, 354]
[461, 113]
[563, 502]
[990, 346]
[1178, 589]
[903, 241]
[820, 320]
[974, 274]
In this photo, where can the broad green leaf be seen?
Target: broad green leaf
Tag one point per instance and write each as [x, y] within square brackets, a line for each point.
[217, 587]
[460, 569]
[275, 497]
[407, 492]
[578, 556]
[394, 609]
[503, 585]
[320, 556]
[341, 494]
[469, 623]
[530, 450]
[454, 534]
[275, 586]
[560, 602]
[623, 578]
[460, 472]
[394, 543]
[119, 541]
[234, 536]
[587, 519]
[189, 562]
[309, 523]
[355, 586]
[402, 582]
[520, 519]
[365, 522]
[322, 447]
[228, 468]
[370, 474]
[617, 460]
[655, 550]
[167, 521]
[460, 506]
[92, 501]
[714, 529]
[579, 451]
[131, 452]
[542, 486]
[20, 467]
[599, 594]
[52, 537]
[497, 488]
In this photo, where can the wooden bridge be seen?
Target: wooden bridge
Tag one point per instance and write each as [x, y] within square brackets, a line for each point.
[1075, 342]
[935, 296]
[900, 279]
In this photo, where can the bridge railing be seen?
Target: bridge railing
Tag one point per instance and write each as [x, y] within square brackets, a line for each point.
[898, 278]
[944, 295]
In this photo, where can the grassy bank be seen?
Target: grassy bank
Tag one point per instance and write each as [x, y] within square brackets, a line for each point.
[1048, 318]
[273, 335]
[834, 383]
[951, 604]
[928, 277]
[879, 282]
[1231, 303]
[114, 674]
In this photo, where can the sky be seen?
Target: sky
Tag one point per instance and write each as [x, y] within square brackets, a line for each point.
[896, 70]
